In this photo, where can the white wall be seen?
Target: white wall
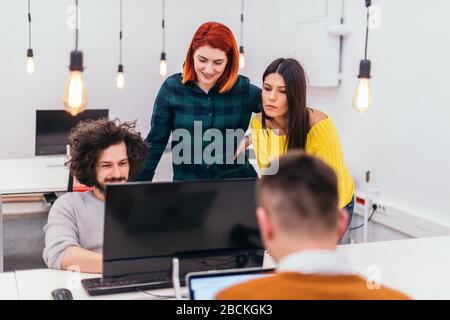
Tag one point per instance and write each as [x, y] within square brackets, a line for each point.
[53, 41]
[402, 140]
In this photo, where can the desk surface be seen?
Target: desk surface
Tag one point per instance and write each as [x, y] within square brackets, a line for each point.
[8, 288]
[33, 175]
[418, 267]
[38, 285]
[48, 174]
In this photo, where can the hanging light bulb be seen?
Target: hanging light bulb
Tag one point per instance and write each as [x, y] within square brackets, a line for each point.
[241, 58]
[163, 62]
[30, 62]
[163, 65]
[30, 55]
[75, 92]
[362, 99]
[241, 48]
[120, 81]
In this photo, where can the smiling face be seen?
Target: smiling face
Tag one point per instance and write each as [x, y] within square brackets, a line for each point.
[112, 166]
[209, 65]
[274, 96]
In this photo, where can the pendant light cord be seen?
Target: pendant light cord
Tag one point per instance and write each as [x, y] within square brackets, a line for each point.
[163, 25]
[76, 25]
[368, 4]
[29, 25]
[242, 22]
[120, 33]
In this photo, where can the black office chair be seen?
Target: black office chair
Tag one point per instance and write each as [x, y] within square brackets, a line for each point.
[51, 197]
[70, 183]
[74, 185]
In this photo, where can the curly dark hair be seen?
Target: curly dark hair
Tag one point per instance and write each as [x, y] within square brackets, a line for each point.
[89, 138]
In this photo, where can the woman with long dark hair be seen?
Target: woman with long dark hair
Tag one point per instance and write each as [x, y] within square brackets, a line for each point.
[286, 123]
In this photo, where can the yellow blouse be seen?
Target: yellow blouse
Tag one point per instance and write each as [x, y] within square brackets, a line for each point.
[322, 141]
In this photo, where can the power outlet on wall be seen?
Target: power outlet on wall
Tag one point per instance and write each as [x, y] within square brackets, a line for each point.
[381, 208]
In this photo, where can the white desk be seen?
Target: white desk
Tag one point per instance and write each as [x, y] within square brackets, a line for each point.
[8, 288]
[418, 267]
[33, 175]
[38, 285]
[48, 174]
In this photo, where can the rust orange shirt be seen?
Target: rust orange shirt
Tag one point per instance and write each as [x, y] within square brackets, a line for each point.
[299, 286]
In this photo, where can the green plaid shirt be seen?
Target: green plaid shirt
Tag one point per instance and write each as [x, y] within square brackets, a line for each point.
[177, 106]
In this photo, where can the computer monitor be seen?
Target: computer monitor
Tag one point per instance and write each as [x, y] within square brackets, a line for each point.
[53, 128]
[206, 224]
[206, 285]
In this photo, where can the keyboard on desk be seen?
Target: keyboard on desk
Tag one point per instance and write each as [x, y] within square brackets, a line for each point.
[100, 286]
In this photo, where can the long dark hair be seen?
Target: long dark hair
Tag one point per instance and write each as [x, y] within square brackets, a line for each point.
[296, 85]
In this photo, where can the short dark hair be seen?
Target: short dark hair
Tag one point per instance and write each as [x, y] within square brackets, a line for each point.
[303, 194]
[89, 138]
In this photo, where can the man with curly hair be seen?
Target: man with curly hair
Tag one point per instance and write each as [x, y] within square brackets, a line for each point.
[102, 152]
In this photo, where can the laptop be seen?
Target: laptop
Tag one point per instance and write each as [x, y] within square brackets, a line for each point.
[206, 285]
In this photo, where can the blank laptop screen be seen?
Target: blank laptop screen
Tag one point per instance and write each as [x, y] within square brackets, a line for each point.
[207, 287]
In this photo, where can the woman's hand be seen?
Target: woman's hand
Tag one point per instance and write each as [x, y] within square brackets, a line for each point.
[243, 145]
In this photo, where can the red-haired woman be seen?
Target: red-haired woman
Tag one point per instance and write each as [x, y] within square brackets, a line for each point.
[203, 108]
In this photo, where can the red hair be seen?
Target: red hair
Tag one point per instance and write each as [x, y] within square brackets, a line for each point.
[218, 36]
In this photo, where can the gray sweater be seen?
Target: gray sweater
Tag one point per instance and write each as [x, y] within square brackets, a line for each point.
[75, 219]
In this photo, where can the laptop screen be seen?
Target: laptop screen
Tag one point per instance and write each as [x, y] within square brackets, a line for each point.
[205, 286]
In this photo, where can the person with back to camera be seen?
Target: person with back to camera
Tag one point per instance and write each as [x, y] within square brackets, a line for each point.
[300, 222]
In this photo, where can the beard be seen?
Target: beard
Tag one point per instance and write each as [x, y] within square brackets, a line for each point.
[102, 186]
